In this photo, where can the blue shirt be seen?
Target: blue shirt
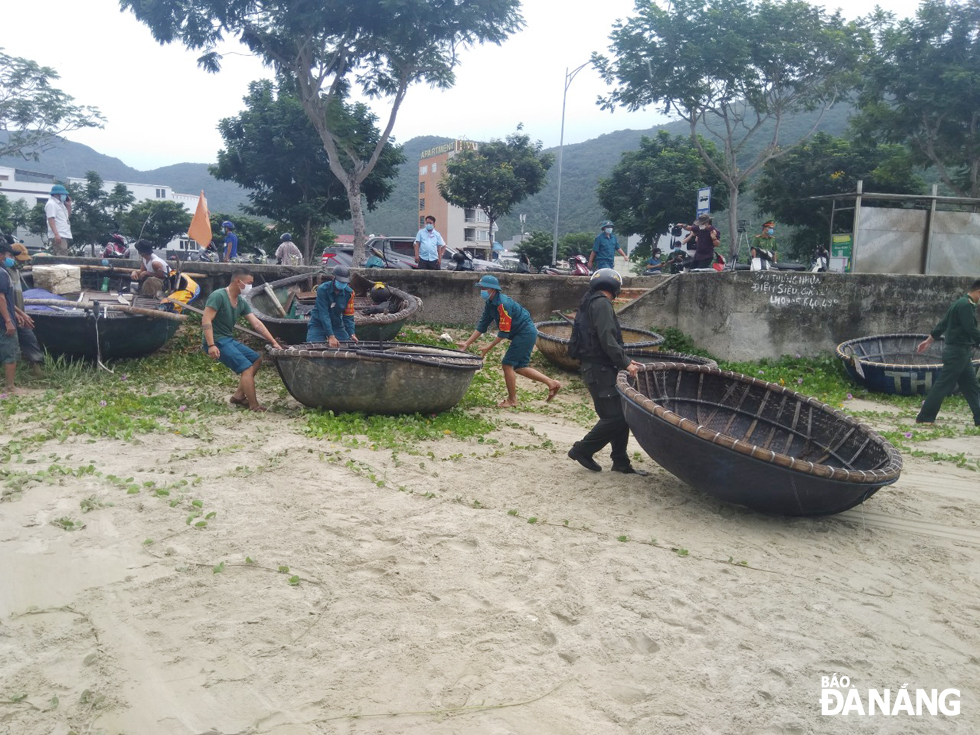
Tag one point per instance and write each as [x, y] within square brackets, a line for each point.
[511, 318]
[429, 244]
[334, 310]
[231, 238]
[605, 248]
[7, 289]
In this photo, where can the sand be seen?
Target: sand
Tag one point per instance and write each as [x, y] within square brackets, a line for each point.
[435, 598]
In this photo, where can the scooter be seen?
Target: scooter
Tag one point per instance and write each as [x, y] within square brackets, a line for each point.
[820, 261]
[579, 265]
[116, 247]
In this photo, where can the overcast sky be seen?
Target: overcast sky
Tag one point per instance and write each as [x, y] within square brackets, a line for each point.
[161, 109]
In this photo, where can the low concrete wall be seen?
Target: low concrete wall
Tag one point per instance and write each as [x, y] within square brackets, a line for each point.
[750, 315]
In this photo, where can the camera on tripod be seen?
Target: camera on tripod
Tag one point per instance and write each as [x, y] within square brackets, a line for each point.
[675, 230]
[742, 226]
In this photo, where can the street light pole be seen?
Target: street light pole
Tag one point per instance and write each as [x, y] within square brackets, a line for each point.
[569, 77]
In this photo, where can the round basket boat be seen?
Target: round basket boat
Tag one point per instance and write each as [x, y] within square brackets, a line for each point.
[889, 363]
[647, 358]
[553, 343]
[376, 377]
[297, 295]
[755, 443]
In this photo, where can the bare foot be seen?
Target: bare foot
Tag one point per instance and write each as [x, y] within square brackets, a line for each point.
[257, 408]
[15, 391]
[507, 403]
[238, 401]
[553, 391]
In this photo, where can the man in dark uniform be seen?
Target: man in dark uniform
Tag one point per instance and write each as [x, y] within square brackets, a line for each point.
[332, 318]
[598, 342]
[960, 327]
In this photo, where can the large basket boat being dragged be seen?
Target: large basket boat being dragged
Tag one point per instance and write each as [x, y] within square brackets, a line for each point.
[65, 328]
[553, 343]
[755, 443]
[889, 363]
[286, 310]
[376, 377]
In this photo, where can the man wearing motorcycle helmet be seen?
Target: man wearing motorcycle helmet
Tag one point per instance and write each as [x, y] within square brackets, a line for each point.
[56, 212]
[231, 241]
[287, 253]
[597, 342]
[605, 247]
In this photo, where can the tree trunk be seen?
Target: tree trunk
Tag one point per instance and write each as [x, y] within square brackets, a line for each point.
[357, 217]
[732, 223]
[307, 243]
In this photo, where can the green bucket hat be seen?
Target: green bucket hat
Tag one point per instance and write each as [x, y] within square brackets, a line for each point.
[489, 282]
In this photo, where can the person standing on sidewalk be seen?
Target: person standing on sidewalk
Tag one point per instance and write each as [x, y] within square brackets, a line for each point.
[961, 335]
[56, 212]
[429, 246]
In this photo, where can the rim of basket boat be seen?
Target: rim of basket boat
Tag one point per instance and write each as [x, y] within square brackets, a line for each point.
[412, 303]
[901, 365]
[667, 357]
[370, 351]
[655, 342]
[891, 470]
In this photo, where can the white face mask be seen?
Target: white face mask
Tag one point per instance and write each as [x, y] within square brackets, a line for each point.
[245, 287]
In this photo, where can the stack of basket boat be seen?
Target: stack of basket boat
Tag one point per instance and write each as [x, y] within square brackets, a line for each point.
[553, 343]
[296, 295]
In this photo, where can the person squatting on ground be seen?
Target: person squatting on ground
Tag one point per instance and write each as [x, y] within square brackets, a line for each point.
[57, 211]
[597, 342]
[332, 318]
[151, 264]
[15, 257]
[605, 247]
[429, 246]
[962, 334]
[513, 323]
[222, 311]
[707, 237]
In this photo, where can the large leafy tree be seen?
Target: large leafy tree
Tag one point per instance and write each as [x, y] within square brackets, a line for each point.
[33, 113]
[538, 248]
[656, 185]
[156, 220]
[272, 149]
[329, 46]
[496, 176]
[829, 165]
[922, 88]
[96, 212]
[734, 70]
[13, 214]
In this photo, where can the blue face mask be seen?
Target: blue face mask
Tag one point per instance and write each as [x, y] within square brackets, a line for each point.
[607, 230]
[770, 231]
[429, 227]
[9, 262]
[484, 294]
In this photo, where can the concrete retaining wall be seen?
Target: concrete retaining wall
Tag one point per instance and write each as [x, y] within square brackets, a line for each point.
[750, 315]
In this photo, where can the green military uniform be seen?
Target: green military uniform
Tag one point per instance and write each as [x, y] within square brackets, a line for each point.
[961, 333]
[602, 356]
[766, 243]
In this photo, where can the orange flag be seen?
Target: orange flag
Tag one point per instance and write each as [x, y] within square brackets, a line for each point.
[200, 229]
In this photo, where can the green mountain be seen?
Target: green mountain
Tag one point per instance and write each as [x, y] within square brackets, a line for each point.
[583, 165]
[68, 159]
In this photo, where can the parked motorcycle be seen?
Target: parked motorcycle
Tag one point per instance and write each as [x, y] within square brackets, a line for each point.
[821, 261]
[116, 247]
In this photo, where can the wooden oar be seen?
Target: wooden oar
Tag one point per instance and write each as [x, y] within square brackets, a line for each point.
[275, 300]
[236, 326]
[567, 319]
[92, 306]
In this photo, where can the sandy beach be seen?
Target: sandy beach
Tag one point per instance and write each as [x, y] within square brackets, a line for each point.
[483, 585]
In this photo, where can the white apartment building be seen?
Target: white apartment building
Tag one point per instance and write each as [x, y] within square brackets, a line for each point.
[34, 187]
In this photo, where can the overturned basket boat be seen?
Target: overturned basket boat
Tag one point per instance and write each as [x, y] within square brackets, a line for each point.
[296, 296]
[889, 363]
[553, 343]
[755, 443]
[376, 377]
